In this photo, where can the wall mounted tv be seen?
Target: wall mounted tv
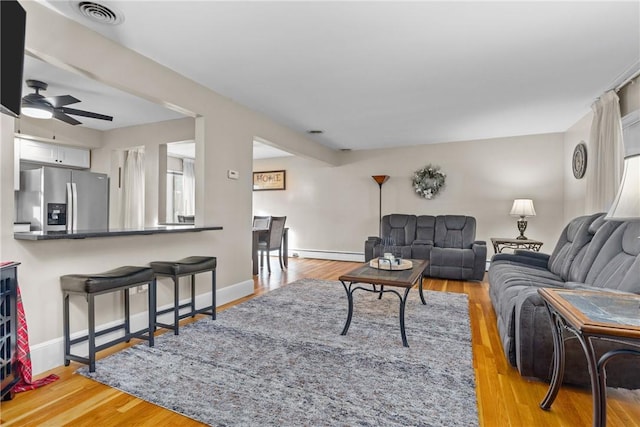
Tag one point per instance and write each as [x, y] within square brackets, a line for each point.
[12, 33]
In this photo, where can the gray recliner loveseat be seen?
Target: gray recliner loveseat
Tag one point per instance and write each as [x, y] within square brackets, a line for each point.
[592, 253]
[447, 241]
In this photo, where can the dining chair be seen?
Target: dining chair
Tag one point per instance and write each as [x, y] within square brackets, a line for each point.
[261, 221]
[273, 240]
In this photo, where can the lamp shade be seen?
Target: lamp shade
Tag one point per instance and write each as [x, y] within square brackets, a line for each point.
[626, 205]
[380, 179]
[523, 208]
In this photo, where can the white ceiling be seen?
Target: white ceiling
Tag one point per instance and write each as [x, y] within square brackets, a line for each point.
[381, 74]
[126, 109]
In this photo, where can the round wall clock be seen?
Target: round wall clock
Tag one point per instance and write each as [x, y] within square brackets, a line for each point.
[579, 161]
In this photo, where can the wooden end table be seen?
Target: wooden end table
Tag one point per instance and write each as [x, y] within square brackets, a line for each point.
[502, 243]
[590, 315]
[401, 279]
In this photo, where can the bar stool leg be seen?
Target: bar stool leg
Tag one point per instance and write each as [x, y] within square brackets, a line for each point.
[65, 322]
[127, 310]
[92, 334]
[193, 295]
[213, 294]
[176, 304]
[152, 312]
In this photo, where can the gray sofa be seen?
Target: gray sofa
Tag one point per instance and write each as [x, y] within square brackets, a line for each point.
[447, 241]
[591, 253]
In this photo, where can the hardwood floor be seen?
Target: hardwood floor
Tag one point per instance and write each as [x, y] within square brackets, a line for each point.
[504, 397]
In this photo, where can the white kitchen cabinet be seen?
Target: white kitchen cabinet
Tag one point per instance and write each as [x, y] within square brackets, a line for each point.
[54, 154]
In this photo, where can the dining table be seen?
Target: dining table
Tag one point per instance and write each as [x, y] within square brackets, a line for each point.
[260, 231]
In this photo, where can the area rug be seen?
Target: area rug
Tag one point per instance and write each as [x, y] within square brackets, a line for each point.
[279, 359]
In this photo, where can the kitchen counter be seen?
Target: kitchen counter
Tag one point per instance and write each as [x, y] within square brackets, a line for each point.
[83, 234]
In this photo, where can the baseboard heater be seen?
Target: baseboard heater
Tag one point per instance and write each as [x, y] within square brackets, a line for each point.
[336, 255]
[328, 255]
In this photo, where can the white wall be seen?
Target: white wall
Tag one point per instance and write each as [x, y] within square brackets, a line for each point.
[575, 189]
[335, 208]
[224, 134]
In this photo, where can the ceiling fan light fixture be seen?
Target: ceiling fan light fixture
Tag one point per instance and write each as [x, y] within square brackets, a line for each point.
[37, 111]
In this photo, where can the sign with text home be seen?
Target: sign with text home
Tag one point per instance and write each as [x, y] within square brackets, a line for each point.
[269, 180]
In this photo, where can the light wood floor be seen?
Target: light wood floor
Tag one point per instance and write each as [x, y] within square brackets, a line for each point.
[504, 398]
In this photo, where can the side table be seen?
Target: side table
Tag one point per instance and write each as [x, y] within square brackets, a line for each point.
[502, 243]
[591, 315]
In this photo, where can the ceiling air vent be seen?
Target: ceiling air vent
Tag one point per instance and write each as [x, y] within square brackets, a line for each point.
[98, 12]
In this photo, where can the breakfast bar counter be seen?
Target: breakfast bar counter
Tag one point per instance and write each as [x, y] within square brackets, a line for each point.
[83, 234]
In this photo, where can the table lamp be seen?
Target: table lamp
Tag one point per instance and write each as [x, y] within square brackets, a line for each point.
[522, 208]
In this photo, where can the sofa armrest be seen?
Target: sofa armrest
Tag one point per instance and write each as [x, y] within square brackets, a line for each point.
[422, 242]
[479, 248]
[533, 335]
[421, 249]
[540, 261]
[369, 244]
[532, 254]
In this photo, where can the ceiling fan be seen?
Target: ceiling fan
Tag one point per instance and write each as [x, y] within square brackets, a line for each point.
[41, 107]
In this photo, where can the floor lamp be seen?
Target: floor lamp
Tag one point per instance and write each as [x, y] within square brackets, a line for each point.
[380, 179]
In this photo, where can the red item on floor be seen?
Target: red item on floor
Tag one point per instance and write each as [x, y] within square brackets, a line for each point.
[22, 364]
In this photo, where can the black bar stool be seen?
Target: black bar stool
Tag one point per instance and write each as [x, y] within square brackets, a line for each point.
[90, 285]
[189, 266]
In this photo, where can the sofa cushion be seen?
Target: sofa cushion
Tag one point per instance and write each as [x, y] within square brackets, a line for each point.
[617, 265]
[400, 228]
[451, 263]
[572, 239]
[425, 228]
[455, 231]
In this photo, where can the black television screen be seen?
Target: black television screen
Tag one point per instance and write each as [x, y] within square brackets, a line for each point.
[13, 19]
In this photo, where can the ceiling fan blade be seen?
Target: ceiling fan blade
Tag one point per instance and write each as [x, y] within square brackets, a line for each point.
[57, 114]
[85, 113]
[59, 101]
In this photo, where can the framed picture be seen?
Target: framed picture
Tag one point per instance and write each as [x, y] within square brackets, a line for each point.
[269, 180]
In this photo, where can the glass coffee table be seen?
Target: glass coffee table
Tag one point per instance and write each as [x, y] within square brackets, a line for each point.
[384, 278]
[590, 315]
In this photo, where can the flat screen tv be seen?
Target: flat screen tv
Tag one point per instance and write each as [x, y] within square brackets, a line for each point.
[12, 33]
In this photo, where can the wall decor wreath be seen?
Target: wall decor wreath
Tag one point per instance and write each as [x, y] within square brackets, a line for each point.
[428, 181]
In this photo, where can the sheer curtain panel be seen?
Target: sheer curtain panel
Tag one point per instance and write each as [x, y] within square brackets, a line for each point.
[606, 153]
[133, 189]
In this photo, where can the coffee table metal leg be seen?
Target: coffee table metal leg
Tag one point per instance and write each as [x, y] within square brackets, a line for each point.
[558, 361]
[420, 290]
[602, 379]
[403, 303]
[350, 302]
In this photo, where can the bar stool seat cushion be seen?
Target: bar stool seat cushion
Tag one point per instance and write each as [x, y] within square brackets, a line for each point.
[189, 265]
[112, 279]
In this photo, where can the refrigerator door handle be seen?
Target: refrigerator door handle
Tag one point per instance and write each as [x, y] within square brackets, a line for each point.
[70, 204]
[75, 207]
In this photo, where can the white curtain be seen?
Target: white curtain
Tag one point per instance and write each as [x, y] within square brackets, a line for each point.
[188, 186]
[133, 189]
[605, 154]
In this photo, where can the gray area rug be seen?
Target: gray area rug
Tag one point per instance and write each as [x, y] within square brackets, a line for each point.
[279, 359]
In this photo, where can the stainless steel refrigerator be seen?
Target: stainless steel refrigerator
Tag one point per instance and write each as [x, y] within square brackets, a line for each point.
[57, 199]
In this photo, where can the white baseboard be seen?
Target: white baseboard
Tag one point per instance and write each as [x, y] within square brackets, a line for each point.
[50, 354]
[329, 255]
